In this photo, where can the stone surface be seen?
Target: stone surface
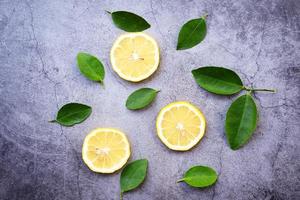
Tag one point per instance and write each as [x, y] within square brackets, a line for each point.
[39, 41]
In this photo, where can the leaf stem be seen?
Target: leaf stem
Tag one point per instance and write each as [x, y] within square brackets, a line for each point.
[108, 11]
[259, 90]
[52, 121]
[204, 16]
[180, 180]
[121, 196]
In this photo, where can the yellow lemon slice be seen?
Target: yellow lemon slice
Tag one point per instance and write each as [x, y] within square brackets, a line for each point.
[180, 125]
[134, 56]
[105, 150]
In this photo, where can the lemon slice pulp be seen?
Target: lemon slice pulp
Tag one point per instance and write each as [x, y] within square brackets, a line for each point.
[105, 150]
[180, 125]
[134, 56]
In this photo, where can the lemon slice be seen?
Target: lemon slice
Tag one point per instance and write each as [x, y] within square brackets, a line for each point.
[134, 56]
[105, 150]
[180, 125]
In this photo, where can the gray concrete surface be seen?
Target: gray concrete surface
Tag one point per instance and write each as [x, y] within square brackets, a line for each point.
[39, 42]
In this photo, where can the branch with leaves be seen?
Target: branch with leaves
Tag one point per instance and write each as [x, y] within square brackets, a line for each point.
[242, 115]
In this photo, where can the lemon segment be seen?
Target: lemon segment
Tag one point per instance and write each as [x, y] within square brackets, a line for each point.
[134, 56]
[180, 125]
[105, 150]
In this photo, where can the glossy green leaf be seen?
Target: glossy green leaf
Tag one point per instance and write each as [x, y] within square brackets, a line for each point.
[129, 22]
[72, 113]
[90, 66]
[200, 176]
[133, 175]
[191, 33]
[140, 98]
[218, 80]
[241, 119]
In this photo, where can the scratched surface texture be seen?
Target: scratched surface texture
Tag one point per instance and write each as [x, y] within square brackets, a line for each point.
[39, 41]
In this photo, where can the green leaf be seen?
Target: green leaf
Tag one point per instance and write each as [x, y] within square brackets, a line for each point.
[133, 175]
[200, 176]
[140, 98]
[241, 119]
[129, 22]
[191, 33]
[218, 80]
[72, 113]
[90, 66]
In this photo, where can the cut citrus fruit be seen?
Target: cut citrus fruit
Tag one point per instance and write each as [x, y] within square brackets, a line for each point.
[134, 56]
[180, 125]
[105, 150]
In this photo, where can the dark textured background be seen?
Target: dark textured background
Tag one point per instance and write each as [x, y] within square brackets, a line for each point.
[39, 41]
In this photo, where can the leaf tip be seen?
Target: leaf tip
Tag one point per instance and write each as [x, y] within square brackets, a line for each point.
[80, 53]
[127, 106]
[146, 161]
[179, 47]
[234, 147]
